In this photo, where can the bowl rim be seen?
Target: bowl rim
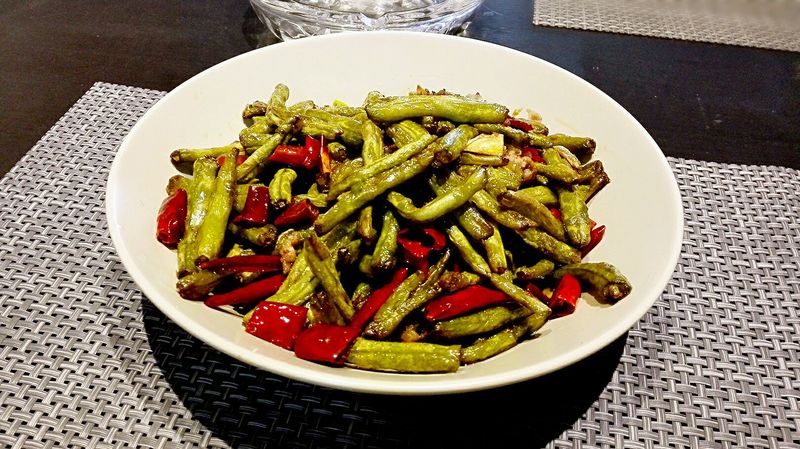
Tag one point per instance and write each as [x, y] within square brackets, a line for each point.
[391, 386]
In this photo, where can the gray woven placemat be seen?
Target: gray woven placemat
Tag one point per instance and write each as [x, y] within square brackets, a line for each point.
[773, 24]
[85, 361]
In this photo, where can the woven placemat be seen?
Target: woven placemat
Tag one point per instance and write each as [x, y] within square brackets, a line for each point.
[86, 361]
[773, 24]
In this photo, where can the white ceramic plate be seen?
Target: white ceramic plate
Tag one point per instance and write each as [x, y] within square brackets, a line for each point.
[641, 207]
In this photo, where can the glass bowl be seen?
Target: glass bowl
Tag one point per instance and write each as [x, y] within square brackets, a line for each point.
[291, 19]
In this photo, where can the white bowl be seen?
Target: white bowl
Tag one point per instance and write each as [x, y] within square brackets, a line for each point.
[641, 207]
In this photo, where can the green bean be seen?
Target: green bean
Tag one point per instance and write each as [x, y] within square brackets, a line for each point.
[199, 196]
[372, 149]
[337, 151]
[495, 252]
[448, 107]
[198, 285]
[178, 182]
[345, 170]
[551, 247]
[350, 253]
[500, 179]
[280, 188]
[349, 127]
[365, 228]
[403, 357]
[486, 347]
[324, 268]
[301, 106]
[468, 253]
[405, 132]
[387, 162]
[211, 232]
[192, 154]
[542, 194]
[442, 204]
[531, 208]
[508, 218]
[450, 146]
[259, 159]
[383, 257]
[517, 136]
[483, 159]
[254, 109]
[520, 295]
[247, 276]
[536, 271]
[539, 140]
[263, 236]
[300, 283]
[434, 126]
[343, 109]
[276, 110]
[316, 197]
[466, 216]
[574, 144]
[556, 167]
[604, 280]
[312, 126]
[479, 322]
[255, 134]
[352, 200]
[389, 316]
[570, 158]
[325, 310]
[410, 295]
[597, 178]
[361, 294]
[456, 280]
[575, 215]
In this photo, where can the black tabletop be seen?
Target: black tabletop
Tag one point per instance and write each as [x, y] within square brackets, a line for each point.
[703, 101]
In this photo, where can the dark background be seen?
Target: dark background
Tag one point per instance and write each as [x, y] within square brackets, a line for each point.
[702, 101]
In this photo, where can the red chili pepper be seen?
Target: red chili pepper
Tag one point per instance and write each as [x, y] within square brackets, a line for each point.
[592, 224]
[256, 207]
[462, 301]
[534, 290]
[556, 213]
[239, 264]
[277, 323]
[171, 219]
[415, 253]
[595, 236]
[249, 293]
[517, 123]
[565, 296]
[534, 153]
[376, 299]
[325, 343]
[313, 149]
[306, 156]
[298, 212]
[439, 240]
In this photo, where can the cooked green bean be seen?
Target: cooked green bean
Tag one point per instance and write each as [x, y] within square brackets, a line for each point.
[352, 200]
[323, 266]
[192, 154]
[280, 188]
[574, 144]
[387, 162]
[324, 310]
[495, 252]
[361, 294]
[467, 216]
[575, 215]
[486, 347]
[542, 194]
[456, 280]
[480, 322]
[570, 158]
[199, 284]
[349, 253]
[500, 179]
[516, 136]
[555, 167]
[531, 208]
[316, 197]
[254, 109]
[211, 233]
[349, 128]
[539, 140]
[449, 107]
[259, 159]
[508, 218]
[343, 171]
[199, 196]
[536, 271]
[442, 204]
[550, 246]
[410, 295]
[383, 257]
[263, 236]
[482, 159]
[178, 182]
[604, 280]
[596, 177]
[372, 149]
[450, 146]
[520, 295]
[365, 228]
[403, 357]
[468, 253]
[405, 132]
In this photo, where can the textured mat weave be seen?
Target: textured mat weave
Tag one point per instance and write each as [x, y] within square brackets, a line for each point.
[85, 361]
[773, 24]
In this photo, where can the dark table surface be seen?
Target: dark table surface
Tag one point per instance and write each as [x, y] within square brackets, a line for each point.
[702, 101]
